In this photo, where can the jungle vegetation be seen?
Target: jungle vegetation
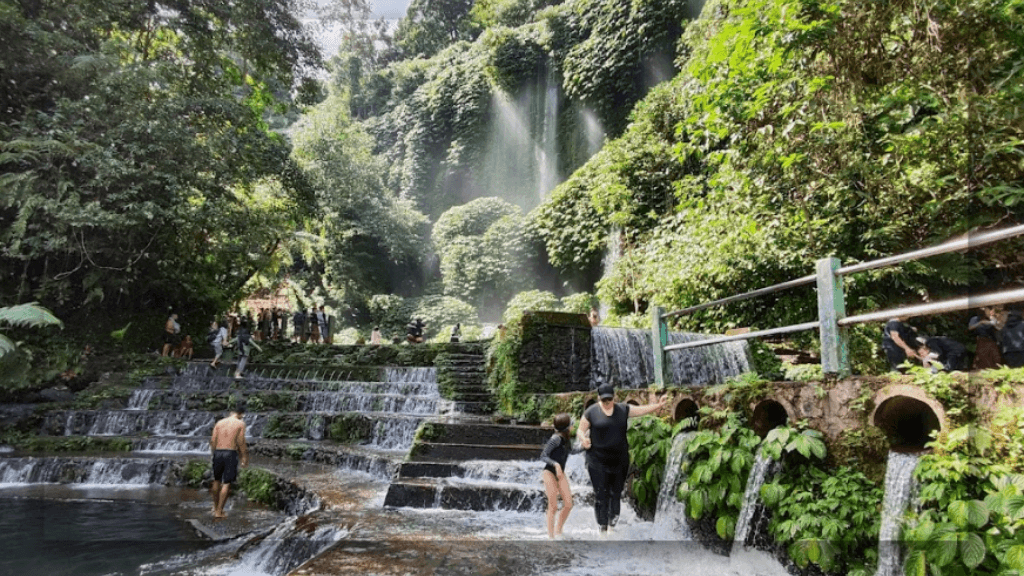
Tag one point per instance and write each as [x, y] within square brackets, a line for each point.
[183, 154]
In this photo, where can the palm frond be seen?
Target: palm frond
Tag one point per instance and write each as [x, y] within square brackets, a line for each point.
[6, 346]
[30, 315]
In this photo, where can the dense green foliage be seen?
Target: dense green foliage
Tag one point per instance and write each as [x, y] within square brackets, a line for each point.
[650, 440]
[136, 159]
[796, 130]
[821, 515]
[715, 472]
[972, 502]
[484, 252]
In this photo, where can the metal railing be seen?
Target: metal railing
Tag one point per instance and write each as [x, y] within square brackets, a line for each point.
[832, 318]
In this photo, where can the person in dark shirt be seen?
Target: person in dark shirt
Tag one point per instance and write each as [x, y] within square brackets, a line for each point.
[1011, 339]
[602, 433]
[947, 351]
[414, 331]
[556, 482]
[899, 342]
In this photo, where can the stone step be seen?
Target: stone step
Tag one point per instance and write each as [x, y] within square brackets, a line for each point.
[484, 433]
[433, 452]
[431, 493]
[483, 496]
[480, 408]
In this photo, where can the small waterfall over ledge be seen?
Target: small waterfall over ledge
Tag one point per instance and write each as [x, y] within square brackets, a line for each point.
[625, 357]
[670, 515]
[752, 511]
[899, 488]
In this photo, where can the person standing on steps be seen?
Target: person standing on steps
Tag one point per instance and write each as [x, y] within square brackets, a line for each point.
[171, 330]
[245, 344]
[220, 339]
[556, 482]
[228, 451]
[602, 433]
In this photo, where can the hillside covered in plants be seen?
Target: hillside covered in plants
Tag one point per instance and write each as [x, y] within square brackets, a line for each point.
[482, 154]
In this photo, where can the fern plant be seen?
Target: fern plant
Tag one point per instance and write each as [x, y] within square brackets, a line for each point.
[30, 315]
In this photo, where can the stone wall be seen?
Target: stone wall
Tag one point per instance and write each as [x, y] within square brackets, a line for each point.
[556, 353]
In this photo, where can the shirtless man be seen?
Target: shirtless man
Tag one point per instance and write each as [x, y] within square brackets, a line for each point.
[226, 442]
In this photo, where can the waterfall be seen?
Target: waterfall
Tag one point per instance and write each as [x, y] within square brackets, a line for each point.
[670, 514]
[899, 486]
[763, 469]
[282, 550]
[547, 150]
[414, 374]
[88, 471]
[140, 398]
[625, 357]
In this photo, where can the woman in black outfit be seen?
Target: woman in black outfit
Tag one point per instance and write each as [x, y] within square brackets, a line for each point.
[602, 433]
[556, 483]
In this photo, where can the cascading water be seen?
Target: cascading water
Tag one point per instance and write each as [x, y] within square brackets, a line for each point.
[173, 417]
[764, 469]
[899, 488]
[670, 514]
[625, 358]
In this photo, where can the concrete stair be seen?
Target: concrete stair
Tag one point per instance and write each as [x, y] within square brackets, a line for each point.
[462, 378]
[471, 464]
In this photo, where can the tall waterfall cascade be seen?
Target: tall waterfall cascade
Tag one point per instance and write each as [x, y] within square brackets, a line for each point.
[524, 152]
[625, 358]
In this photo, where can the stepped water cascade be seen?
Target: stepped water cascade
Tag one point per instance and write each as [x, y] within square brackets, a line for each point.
[670, 514]
[625, 357]
[752, 511]
[899, 489]
[169, 419]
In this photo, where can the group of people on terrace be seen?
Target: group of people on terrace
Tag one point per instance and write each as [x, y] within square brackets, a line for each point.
[999, 337]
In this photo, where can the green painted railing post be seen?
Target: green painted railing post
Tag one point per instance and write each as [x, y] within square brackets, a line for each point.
[835, 358]
[659, 339]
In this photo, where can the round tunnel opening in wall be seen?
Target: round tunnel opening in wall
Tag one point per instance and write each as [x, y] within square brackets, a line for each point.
[907, 422]
[768, 414]
[687, 409]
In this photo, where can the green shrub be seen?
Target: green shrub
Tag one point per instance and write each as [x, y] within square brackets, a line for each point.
[258, 485]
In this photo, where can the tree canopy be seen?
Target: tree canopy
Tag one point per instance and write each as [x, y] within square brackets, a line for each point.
[136, 161]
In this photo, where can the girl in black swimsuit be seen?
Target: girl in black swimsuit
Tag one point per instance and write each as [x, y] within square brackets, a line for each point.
[556, 483]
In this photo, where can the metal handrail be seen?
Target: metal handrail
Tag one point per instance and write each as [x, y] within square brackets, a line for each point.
[993, 299]
[827, 281]
[745, 296]
[945, 248]
[746, 336]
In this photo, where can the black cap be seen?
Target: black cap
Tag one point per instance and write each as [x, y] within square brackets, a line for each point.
[240, 407]
[605, 391]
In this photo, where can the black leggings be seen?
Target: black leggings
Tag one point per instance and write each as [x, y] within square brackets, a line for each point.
[608, 485]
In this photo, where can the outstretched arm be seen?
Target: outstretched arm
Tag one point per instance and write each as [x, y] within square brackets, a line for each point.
[635, 411]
